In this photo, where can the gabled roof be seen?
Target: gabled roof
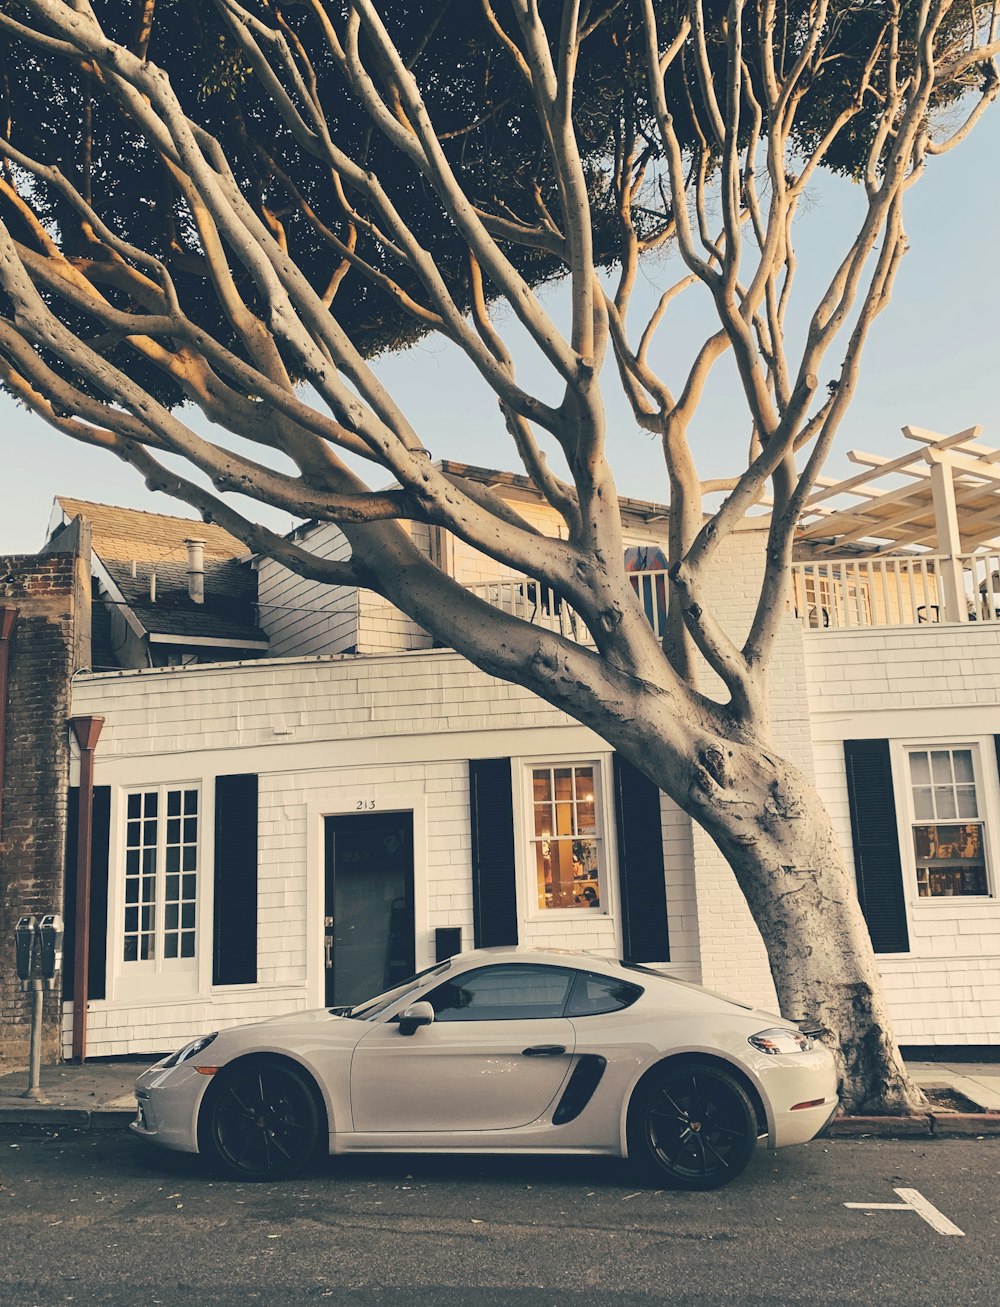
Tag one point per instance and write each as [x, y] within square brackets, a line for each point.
[131, 545]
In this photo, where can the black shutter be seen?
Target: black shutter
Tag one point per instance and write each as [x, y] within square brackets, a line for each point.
[876, 843]
[641, 878]
[234, 936]
[494, 892]
[100, 849]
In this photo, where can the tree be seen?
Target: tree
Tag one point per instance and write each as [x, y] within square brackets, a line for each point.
[219, 205]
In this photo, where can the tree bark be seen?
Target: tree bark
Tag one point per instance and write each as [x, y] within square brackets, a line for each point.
[772, 827]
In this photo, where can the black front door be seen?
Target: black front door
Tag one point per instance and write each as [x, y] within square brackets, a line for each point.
[369, 904]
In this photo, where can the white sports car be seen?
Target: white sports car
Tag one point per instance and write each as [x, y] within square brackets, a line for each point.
[501, 1051]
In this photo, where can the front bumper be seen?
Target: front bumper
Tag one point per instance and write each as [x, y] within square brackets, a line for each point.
[168, 1101]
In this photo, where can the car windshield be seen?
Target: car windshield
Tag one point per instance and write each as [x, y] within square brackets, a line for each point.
[373, 1006]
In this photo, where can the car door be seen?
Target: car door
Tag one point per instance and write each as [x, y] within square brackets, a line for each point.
[494, 1058]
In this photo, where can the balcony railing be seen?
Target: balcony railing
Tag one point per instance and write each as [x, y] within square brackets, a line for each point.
[827, 594]
[539, 604]
[896, 591]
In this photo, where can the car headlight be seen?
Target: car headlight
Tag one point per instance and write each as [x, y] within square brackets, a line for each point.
[779, 1040]
[189, 1050]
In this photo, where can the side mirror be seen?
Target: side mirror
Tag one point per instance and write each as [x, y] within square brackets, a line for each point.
[415, 1016]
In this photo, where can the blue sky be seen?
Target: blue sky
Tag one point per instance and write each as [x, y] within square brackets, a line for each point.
[932, 362]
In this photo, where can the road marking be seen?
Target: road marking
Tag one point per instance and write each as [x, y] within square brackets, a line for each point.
[914, 1201]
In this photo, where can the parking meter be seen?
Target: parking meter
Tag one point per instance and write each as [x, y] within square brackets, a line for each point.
[25, 943]
[50, 947]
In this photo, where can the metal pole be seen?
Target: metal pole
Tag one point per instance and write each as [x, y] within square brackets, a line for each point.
[35, 1055]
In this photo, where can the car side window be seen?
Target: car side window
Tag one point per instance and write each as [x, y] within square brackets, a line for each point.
[593, 994]
[508, 992]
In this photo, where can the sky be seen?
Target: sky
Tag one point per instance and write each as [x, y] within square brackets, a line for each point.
[932, 361]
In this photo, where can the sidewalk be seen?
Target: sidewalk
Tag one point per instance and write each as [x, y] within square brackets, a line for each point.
[99, 1095]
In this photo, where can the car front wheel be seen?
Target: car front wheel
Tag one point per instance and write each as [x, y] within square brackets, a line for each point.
[260, 1121]
[693, 1126]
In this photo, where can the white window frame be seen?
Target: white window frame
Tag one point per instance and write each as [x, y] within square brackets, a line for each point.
[987, 782]
[149, 975]
[525, 833]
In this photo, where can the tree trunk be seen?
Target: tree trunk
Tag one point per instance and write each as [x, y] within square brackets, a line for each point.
[773, 828]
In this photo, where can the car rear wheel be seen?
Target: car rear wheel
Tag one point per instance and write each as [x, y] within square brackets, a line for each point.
[260, 1121]
[694, 1126]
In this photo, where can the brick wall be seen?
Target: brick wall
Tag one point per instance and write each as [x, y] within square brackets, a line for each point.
[45, 592]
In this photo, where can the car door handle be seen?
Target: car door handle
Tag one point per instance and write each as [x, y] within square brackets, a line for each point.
[544, 1050]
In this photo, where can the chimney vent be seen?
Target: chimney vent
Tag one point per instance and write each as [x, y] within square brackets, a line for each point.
[196, 570]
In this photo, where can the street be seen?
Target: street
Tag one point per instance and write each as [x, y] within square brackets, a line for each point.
[96, 1218]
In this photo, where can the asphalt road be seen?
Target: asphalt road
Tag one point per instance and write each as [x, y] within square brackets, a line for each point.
[96, 1218]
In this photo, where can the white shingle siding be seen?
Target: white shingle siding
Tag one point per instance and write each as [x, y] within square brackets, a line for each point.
[399, 723]
[301, 616]
[918, 684]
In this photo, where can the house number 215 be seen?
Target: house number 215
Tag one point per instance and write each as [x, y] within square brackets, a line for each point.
[364, 805]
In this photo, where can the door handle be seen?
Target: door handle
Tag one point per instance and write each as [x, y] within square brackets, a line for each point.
[544, 1050]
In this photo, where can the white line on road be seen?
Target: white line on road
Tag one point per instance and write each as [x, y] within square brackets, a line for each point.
[914, 1201]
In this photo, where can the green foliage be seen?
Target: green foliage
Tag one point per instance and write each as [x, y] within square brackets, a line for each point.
[481, 108]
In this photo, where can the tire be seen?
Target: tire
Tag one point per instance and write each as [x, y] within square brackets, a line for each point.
[261, 1121]
[692, 1125]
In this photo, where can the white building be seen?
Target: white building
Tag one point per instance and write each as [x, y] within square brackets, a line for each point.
[301, 829]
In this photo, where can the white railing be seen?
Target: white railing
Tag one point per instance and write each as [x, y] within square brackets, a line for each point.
[896, 591]
[530, 600]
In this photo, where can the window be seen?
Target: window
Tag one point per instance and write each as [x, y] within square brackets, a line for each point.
[566, 843]
[161, 874]
[949, 838]
[594, 994]
[510, 992]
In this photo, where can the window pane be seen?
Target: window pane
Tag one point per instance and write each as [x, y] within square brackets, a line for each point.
[923, 803]
[920, 769]
[963, 766]
[543, 819]
[564, 782]
[585, 784]
[593, 994]
[941, 766]
[541, 783]
[510, 992]
[174, 803]
[586, 819]
[950, 860]
[190, 801]
[944, 802]
[967, 801]
[134, 805]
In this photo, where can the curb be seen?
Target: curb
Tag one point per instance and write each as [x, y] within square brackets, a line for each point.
[930, 1125]
[79, 1118]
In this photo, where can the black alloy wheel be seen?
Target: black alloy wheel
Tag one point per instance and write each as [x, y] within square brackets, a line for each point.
[694, 1126]
[261, 1121]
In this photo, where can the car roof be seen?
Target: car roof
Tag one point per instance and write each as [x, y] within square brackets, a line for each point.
[555, 957]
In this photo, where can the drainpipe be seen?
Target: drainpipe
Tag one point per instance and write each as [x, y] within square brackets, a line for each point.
[8, 620]
[87, 731]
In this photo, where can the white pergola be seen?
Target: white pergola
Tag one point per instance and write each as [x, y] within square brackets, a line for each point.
[941, 499]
